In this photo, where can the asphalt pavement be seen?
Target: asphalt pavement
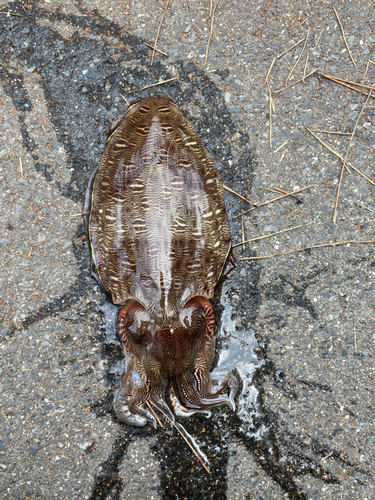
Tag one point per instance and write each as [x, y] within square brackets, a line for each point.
[298, 328]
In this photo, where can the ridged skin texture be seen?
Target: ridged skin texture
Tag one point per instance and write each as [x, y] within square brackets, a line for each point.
[159, 237]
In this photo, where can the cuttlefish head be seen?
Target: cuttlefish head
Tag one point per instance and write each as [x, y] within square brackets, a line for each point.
[168, 363]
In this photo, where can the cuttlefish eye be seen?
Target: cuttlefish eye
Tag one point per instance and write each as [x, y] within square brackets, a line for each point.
[193, 319]
[135, 325]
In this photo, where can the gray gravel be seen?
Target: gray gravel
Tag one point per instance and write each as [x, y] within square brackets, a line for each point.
[311, 432]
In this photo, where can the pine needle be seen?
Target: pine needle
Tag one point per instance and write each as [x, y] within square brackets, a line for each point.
[157, 34]
[160, 83]
[274, 199]
[237, 194]
[308, 248]
[269, 71]
[211, 30]
[157, 50]
[367, 208]
[303, 48]
[148, 404]
[179, 428]
[339, 156]
[282, 145]
[298, 81]
[290, 48]
[344, 37]
[345, 159]
[270, 111]
[268, 235]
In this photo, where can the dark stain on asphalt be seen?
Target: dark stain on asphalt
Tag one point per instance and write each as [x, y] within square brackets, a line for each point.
[81, 106]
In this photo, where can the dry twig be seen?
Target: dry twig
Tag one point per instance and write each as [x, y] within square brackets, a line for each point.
[295, 83]
[21, 167]
[319, 37]
[341, 158]
[367, 208]
[267, 235]
[11, 14]
[365, 73]
[282, 145]
[342, 81]
[269, 71]
[179, 430]
[237, 194]
[305, 68]
[303, 48]
[343, 35]
[157, 419]
[327, 456]
[125, 99]
[271, 201]
[211, 30]
[243, 234]
[290, 48]
[330, 132]
[160, 83]
[270, 111]
[154, 48]
[307, 248]
[278, 190]
[282, 156]
[345, 159]
[157, 33]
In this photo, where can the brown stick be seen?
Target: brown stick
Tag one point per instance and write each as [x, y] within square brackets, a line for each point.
[346, 157]
[243, 234]
[178, 427]
[319, 37]
[306, 248]
[282, 145]
[290, 48]
[343, 35]
[368, 64]
[269, 71]
[305, 68]
[295, 83]
[154, 48]
[341, 158]
[329, 149]
[270, 111]
[341, 80]
[330, 132]
[278, 190]
[211, 30]
[268, 235]
[160, 83]
[282, 156]
[294, 67]
[274, 199]
[157, 33]
[367, 208]
[237, 194]
[148, 404]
